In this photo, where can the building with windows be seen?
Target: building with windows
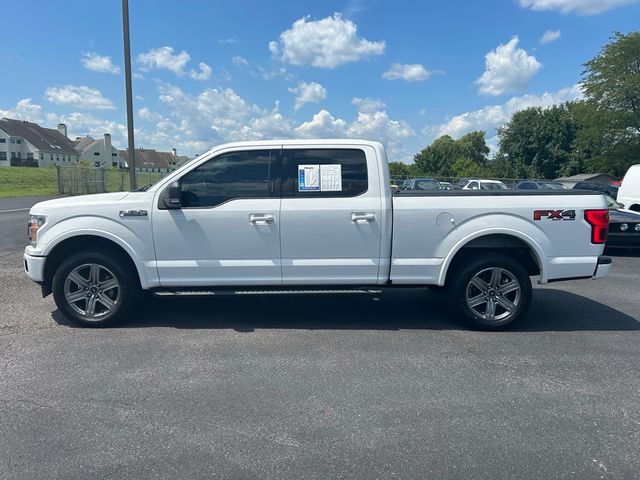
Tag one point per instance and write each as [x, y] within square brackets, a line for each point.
[99, 152]
[27, 144]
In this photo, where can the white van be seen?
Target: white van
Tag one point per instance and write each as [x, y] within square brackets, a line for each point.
[629, 193]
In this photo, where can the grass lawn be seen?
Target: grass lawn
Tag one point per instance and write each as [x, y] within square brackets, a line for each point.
[29, 181]
[26, 181]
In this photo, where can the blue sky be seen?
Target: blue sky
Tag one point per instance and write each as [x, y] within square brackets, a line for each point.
[402, 72]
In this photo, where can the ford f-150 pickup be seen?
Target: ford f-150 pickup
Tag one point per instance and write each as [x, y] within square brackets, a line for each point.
[309, 216]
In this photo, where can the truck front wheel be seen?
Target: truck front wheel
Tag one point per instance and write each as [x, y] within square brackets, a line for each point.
[490, 292]
[94, 289]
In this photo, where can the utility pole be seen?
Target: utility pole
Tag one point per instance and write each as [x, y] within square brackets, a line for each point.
[127, 79]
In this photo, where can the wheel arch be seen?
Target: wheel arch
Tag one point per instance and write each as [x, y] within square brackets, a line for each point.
[512, 243]
[90, 241]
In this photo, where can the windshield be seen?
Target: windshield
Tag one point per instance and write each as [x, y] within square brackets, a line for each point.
[611, 203]
[554, 186]
[426, 184]
[493, 186]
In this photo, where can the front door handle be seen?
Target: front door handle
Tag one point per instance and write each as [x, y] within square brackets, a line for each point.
[363, 217]
[261, 218]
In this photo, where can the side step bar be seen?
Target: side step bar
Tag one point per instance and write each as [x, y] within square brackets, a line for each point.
[289, 291]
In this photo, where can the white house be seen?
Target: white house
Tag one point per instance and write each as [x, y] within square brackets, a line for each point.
[28, 144]
[99, 152]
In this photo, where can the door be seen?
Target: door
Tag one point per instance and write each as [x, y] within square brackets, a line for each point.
[330, 216]
[227, 231]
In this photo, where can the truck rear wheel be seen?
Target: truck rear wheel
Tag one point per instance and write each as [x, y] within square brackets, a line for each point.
[491, 292]
[94, 289]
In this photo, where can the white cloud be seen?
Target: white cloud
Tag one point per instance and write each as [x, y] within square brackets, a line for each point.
[368, 105]
[311, 92]
[322, 125]
[549, 36]
[227, 41]
[163, 58]
[99, 63]
[326, 43]
[80, 124]
[145, 114]
[413, 72]
[490, 117]
[25, 109]
[378, 126]
[221, 115]
[508, 69]
[203, 74]
[582, 7]
[240, 61]
[78, 96]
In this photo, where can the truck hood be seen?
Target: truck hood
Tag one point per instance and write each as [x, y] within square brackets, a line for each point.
[79, 201]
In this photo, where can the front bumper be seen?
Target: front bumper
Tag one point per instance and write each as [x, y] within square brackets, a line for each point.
[604, 267]
[34, 267]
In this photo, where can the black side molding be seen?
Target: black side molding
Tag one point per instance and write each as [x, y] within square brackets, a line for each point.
[564, 279]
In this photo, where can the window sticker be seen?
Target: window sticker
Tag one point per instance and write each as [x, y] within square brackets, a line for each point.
[331, 178]
[308, 178]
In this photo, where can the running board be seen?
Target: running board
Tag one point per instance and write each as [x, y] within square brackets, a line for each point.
[227, 292]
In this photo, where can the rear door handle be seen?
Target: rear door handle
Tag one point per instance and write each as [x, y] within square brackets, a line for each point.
[363, 217]
[261, 218]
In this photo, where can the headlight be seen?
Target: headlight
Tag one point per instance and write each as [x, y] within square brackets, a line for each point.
[637, 227]
[35, 222]
[624, 227]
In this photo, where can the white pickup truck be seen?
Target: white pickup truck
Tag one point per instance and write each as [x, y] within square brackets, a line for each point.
[307, 217]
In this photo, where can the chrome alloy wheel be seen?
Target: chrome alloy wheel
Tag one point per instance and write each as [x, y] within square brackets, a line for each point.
[493, 294]
[92, 290]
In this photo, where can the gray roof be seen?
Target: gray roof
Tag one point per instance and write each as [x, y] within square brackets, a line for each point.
[44, 139]
[582, 177]
[149, 158]
[82, 142]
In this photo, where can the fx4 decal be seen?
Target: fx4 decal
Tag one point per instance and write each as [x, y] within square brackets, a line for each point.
[554, 214]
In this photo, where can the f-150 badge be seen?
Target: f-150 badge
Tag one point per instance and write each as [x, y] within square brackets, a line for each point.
[133, 213]
[554, 214]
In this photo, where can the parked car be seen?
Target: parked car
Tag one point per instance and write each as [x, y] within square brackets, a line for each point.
[484, 185]
[539, 185]
[312, 216]
[607, 188]
[624, 226]
[446, 185]
[629, 193]
[423, 184]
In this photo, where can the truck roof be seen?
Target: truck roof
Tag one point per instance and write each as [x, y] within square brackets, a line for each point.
[307, 142]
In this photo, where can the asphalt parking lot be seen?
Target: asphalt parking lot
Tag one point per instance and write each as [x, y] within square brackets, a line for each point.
[320, 387]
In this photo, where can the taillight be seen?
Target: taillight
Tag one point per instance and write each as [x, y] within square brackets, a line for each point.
[599, 221]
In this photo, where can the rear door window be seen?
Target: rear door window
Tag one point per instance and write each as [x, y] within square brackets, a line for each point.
[324, 172]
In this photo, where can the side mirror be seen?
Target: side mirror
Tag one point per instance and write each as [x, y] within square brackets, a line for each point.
[171, 197]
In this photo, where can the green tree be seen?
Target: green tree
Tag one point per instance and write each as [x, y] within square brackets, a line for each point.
[465, 167]
[610, 116]
[475, 147]
[538, 141]
[399, 169]
[438, 158]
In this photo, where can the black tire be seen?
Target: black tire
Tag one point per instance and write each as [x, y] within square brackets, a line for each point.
[512, 289]
[77, 278]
